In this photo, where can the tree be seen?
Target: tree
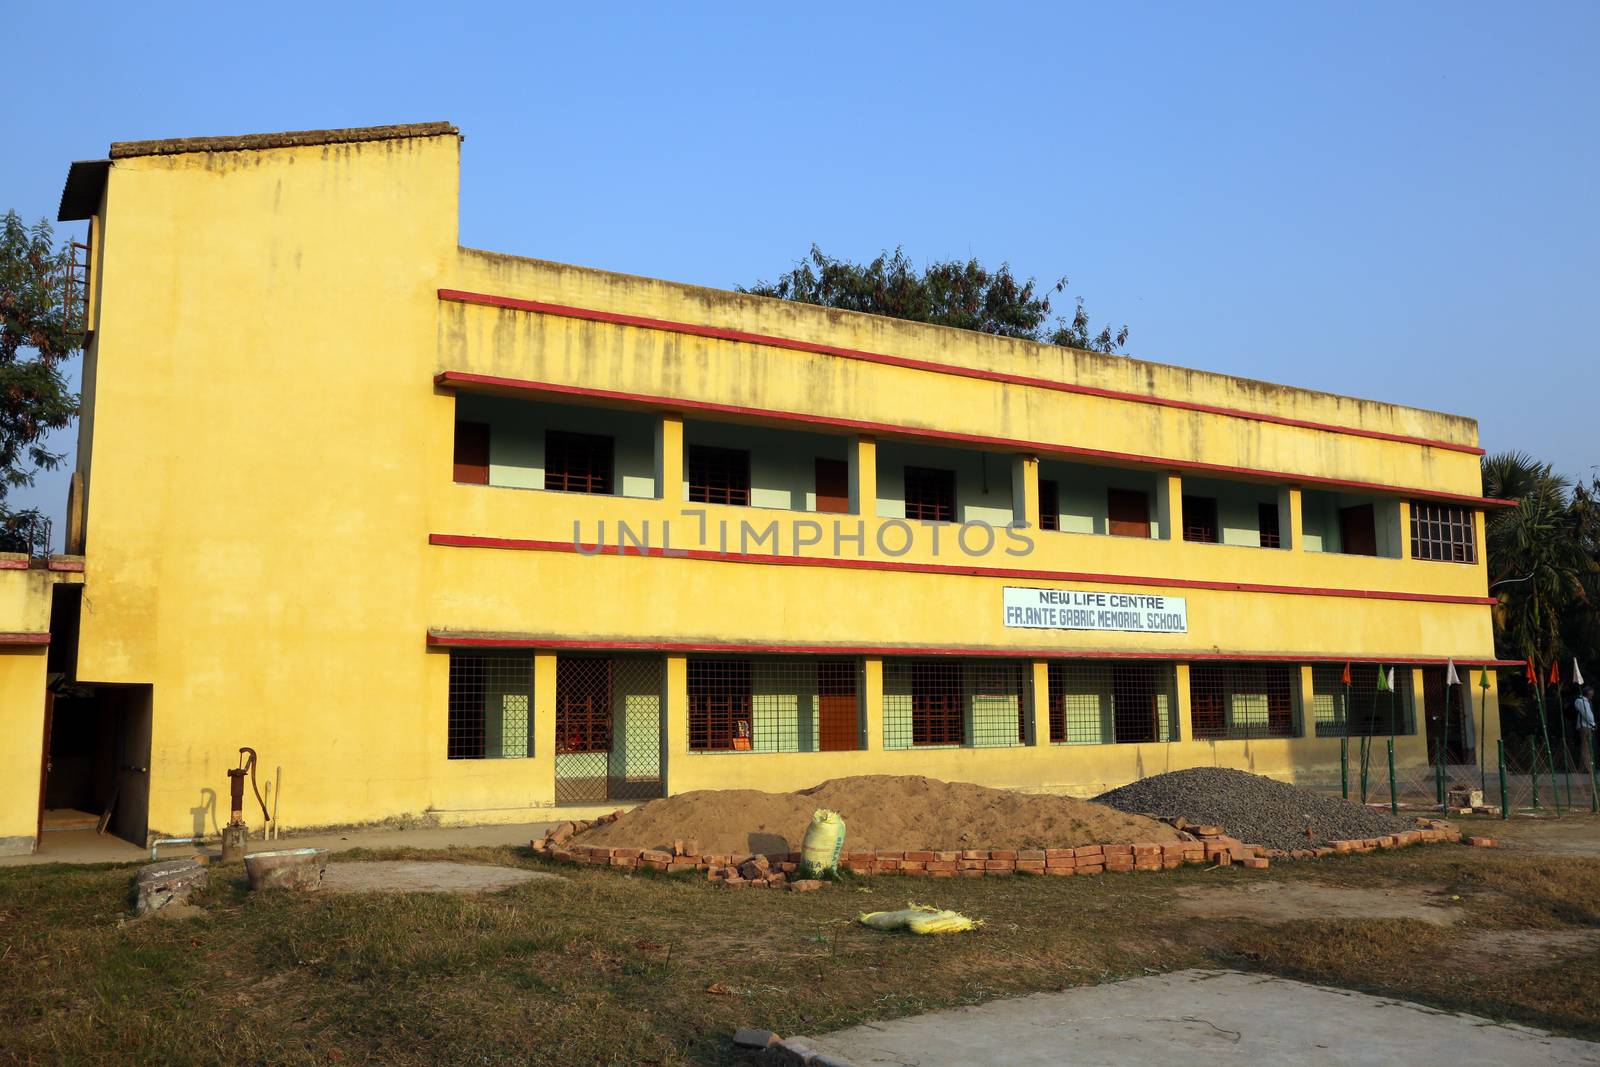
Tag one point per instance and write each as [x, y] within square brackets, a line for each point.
[35, 340]
[965, 295]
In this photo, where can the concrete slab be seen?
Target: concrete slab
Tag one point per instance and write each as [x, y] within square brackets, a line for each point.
[1200, 1018]
[425, 876]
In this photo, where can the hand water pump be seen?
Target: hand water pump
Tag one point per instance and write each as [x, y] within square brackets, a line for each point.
[233, 835]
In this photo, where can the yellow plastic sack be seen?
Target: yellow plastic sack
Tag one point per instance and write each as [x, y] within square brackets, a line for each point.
[919, 919]
[824, 841]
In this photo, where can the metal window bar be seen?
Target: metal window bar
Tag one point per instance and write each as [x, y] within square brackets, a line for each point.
[608, 728]
[490, 708]
[75, 291]
[930, 494]
[1112, 703]
[719, 475]
[1364, 710]
[951, 703]
[1049, 505]
[1443, 532]
[1267, 521]
[1241, 701]
[777, 704]
[1200, 520]
[578, 462]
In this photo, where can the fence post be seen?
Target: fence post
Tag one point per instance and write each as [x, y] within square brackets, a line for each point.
[1344, 767]
[1394, 801]
[1438, 774]
[1505, 800]
[1533, 750]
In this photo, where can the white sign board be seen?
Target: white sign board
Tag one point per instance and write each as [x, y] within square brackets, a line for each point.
[1075, 609]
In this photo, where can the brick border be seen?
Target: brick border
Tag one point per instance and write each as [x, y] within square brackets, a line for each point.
[1202, 845]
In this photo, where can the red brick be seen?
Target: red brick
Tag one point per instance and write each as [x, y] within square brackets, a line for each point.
[1479, 842]
[971, 872]
[888, 864]
[1147, 863]
[624, 861]
[656, 865]
[920, 857]
[1222, 858]
[972, 865]
[913, 865]
[1066, 863]
[682, 864]
[1146, 851]
[884, 854]
[1120, 864]
[1088, 868]
[1002, 854]
[656, 856]
[1063, 872]
[1090, 852]
[1002, 873]
[1258, 863]
[1030, 866]
[625, 853]
[1000, 865]
[1172, 850]
[1031, 854]
[1117, 850]
[975, 854]
[1060, 853]
[1171, 863]
[1194, 855]
[859, 857]
[938, 866]
[941, 873]
[946, 857]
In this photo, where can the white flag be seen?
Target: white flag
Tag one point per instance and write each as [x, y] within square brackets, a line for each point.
[1450, 675]
[1577, 675]
[1391, 680]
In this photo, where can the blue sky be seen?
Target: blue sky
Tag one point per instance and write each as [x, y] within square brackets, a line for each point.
[1389, 200]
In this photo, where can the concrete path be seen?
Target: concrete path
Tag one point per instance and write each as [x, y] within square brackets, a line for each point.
[1199, 1018]
[85, 846]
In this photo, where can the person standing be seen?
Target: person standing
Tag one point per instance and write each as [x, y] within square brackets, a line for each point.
[1584, 707]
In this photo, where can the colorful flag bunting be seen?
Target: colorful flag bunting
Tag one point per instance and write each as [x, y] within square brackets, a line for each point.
[1347, 674]
[1450, 675]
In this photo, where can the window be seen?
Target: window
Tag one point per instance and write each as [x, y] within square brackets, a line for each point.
[1442, 532]
[981, 703]
[936, 704]
[608, 728]
[577, 462]
[930, 494]
[1117, 703]
[489, 706]
[583, 705]
[1127, 513]
[1360, 709]
[719, 475]
[1271, 537]
[719, 705]
[1243, 701]
[1049, 505]
[1200, 519]
[472, 453]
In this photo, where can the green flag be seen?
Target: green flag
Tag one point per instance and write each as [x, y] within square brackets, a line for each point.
[1383, 682]
[1483, 679]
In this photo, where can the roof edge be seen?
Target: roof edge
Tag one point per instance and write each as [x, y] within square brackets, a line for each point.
[286, 139]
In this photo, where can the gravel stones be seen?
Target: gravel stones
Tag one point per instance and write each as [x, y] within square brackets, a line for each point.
[1254, 809]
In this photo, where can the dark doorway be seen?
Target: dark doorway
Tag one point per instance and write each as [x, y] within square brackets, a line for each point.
[1358, 531]
[97, 765]
[1446, 718]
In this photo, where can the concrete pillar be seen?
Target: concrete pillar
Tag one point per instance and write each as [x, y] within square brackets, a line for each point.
[676, 731]
[1308, 717]
[1025, 491]
[872, 704]
[864, 477]
[1405, 530]
[1039, 715]
[1291, 520]
[544, 724]
[1185, 707]
[1169, 506]
[669, 458]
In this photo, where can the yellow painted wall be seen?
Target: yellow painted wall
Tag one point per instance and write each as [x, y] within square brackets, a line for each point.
[269, 456]
[24, 609]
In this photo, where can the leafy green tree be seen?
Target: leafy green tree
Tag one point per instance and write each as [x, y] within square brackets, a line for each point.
[35, 341]
[965, 295]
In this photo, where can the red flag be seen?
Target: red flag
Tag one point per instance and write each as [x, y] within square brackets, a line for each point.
[1347, 674]
[1533, 679]
[1555, 673]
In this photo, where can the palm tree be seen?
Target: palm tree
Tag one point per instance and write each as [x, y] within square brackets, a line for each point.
[1537, 555]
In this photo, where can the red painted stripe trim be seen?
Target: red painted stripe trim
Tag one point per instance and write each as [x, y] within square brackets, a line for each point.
[23, 639]
[455, 379]
[13, 564]
[452, 639]
[72, 566]
[527, 545]
[591, 315]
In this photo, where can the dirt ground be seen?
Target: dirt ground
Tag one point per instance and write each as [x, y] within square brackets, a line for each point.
[880, 811]
[1292, 901]
[1566, 835]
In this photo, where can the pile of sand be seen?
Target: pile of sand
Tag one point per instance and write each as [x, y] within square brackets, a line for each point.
[880, 811]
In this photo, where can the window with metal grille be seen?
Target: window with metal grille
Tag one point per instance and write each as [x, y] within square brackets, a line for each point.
[778, 704]
[1271, 534]
[981, 703]
[608, 728]
[1049, 505]
[1361, 709]
[1112, 703]
[490, 706]
[930, 494]
[1443, 532]
[719, 475]
[1237, 701]
[578, 462]
[1200, 519]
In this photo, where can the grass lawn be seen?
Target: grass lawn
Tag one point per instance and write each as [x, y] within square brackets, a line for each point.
[609, 968]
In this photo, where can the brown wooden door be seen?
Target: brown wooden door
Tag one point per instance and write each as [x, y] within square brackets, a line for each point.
[838, 710]
[472, 453]
[1358, 531]
[833, 485]
[1127, 513]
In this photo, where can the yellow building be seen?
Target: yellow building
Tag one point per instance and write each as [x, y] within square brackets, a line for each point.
[444, 532]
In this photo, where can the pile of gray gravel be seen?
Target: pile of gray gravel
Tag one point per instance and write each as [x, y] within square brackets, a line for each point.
[1256, 810]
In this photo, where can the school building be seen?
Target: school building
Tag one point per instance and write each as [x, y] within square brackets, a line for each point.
[442, 532]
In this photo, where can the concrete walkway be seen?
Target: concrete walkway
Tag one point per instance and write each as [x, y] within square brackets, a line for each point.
[1199, 1018]
[85, 846]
